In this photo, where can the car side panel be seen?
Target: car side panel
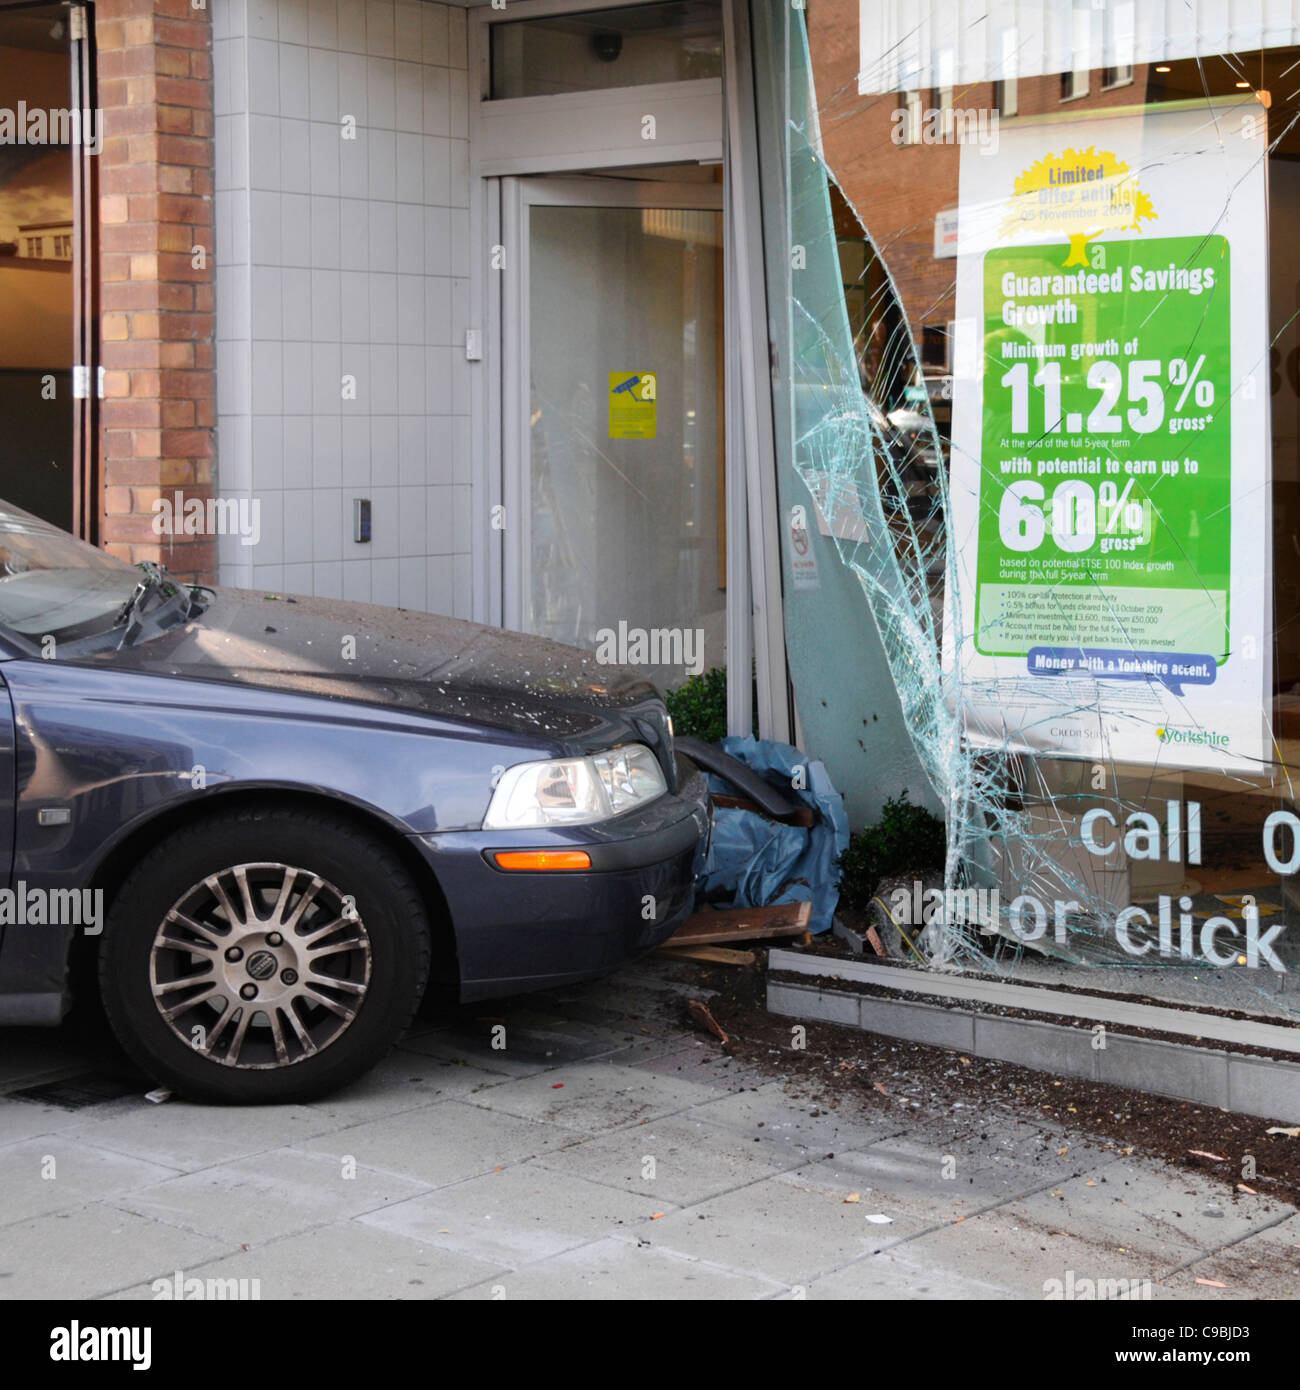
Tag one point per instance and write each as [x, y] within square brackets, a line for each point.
[116, 749]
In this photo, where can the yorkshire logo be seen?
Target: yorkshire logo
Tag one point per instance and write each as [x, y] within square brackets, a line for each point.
[1201, 737]
[1080, 193]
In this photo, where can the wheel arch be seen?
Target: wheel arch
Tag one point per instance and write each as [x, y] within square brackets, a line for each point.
[112, 870]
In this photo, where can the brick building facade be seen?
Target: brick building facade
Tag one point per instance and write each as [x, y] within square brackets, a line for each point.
[155, 265]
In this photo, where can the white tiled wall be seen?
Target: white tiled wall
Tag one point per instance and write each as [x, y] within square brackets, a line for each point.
[344, 260]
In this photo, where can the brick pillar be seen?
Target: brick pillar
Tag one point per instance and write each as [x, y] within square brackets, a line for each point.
[157, 342]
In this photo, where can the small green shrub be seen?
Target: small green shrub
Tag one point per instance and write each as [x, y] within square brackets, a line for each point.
[906, 839]
[699, 707]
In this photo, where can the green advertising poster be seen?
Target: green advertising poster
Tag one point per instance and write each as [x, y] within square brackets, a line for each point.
[1106, 449]
[1110, 468]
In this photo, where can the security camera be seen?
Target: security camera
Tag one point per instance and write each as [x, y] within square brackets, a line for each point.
[608, 46]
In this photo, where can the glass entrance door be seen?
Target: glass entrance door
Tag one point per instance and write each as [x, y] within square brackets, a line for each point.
[622, 452]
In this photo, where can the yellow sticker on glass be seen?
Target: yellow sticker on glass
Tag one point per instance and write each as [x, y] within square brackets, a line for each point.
[632, 405]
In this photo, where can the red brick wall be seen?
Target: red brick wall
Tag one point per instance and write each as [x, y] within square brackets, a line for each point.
[157, 343]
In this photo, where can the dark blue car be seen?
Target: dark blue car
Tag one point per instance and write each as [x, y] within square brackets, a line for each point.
[269, 821]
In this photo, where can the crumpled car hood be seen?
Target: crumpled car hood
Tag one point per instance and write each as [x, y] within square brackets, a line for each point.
[389, 657]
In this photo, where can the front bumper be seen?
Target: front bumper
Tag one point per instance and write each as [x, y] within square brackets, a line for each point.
[522, 931]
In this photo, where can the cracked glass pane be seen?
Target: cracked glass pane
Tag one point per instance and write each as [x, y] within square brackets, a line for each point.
[1036, 392]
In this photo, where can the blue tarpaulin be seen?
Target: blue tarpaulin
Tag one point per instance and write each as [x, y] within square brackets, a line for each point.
[755, 862]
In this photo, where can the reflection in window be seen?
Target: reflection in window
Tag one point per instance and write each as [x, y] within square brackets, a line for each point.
[626, 484]
[1006, 87]
[913, 109]
[901, 308]
[1074, 84]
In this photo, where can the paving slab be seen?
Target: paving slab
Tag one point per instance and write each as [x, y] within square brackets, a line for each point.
[101, 1250]
[450, 1045]
[652, 1047]
[1051, 1151]
[783, 1229]
[768, 1117]
[542, 1017]
[1034, 1260]
[1131, 1202]
[442, 1143]
[189, 1137]
[250, 1201]
[402, 1081]
[1265, 1264]
[596, 1096]
[702, 1062]
[25, 1119]
[345, 1260]
[896, 1274]
[750, 1177]
[888, 1220]
[689, 1160]
[624, 1269]
[518, 1215]
[526, 1045]
[58, 1173]
[932, 1146]
[902, 1176]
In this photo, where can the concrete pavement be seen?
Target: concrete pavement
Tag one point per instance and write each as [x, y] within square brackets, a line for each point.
[604, 1152]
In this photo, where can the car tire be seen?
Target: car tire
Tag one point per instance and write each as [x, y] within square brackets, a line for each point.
[216, 1004]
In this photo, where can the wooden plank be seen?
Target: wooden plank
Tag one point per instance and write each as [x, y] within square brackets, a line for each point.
[743, 924]
[700, 1014]
[715, 955]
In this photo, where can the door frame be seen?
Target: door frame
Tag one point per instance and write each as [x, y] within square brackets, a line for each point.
[86, 371]
[84, 347]
[518, 197]
[504, 148]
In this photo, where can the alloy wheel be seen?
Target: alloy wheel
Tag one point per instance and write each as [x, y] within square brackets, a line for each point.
[260, 965]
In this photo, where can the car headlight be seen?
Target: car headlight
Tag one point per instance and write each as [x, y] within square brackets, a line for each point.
[575, 791]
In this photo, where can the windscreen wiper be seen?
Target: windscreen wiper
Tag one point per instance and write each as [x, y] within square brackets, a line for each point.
[155, 581]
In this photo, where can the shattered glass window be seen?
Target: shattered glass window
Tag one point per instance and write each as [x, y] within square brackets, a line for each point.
[1035, 277]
